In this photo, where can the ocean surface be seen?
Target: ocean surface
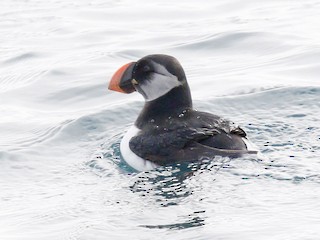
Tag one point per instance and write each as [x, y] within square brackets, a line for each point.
[256, 63]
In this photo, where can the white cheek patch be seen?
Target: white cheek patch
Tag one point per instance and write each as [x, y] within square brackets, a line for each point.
[161, 83]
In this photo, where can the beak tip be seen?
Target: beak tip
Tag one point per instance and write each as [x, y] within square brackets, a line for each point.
[114, 84]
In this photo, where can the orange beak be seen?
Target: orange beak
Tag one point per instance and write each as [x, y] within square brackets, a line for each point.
[121, 80]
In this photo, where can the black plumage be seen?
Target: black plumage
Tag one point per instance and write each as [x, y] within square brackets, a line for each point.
[169, 129]
[186, 136]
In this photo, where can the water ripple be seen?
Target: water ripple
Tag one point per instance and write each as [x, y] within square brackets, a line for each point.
[22, 57]
[62, 176]
[32, 136]
[237, 41]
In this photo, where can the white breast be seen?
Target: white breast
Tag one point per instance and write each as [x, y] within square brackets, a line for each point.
[130, 157]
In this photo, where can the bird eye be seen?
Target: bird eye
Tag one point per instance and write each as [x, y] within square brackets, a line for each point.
[146, 68]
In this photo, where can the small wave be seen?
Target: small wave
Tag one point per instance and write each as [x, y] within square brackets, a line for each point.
[76, 93]
[15, 79]
[31, 136]
[129, 54]
[20, 71]
[237, 41]
[270, 98]
[22, 57]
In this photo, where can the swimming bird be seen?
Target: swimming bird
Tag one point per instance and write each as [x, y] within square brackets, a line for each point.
[168, 129]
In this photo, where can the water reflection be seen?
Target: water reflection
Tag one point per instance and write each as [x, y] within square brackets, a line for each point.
[196, 219]
[169, 185]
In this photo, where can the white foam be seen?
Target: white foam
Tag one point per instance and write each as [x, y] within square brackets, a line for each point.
[130, 157]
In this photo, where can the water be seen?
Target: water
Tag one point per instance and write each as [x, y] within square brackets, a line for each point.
[61, 177]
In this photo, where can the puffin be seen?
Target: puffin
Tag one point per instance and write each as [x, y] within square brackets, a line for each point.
[169, 130]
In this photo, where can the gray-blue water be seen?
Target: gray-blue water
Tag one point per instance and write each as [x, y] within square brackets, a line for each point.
[254, 62]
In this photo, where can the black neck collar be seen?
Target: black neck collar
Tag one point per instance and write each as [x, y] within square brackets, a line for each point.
[171, 104]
